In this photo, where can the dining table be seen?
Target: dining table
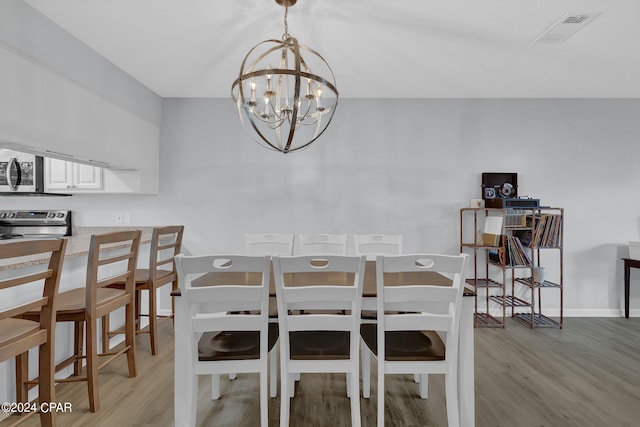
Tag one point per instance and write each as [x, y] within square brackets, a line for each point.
[466, 382]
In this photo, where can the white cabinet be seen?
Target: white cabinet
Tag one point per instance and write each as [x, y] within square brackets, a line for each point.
[66, 176]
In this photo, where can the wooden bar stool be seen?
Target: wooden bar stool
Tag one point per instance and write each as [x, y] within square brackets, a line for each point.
[166, 243]
[18, 335]
[112, 258]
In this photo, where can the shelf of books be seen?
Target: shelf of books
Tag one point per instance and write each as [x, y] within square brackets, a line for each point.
[546, 245]
[511, 246]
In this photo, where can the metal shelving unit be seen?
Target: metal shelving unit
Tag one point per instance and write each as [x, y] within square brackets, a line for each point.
[526, 310]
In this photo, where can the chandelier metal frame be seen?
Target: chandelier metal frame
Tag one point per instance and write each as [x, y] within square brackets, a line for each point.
[283, 83]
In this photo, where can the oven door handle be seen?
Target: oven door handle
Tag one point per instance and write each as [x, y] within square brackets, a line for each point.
[13, 164]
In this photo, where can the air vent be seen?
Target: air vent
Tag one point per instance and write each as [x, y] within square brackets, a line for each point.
[565, 27]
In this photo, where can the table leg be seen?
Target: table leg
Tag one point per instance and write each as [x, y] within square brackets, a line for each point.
[182, 365]
[466, 379]
[627, 278]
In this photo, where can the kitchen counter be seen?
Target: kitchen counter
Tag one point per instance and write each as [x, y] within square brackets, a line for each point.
[77, 245]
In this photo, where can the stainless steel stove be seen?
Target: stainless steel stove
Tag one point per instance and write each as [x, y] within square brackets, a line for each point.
[34, 224]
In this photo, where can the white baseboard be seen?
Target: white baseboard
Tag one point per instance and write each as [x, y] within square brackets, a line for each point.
[595, 312]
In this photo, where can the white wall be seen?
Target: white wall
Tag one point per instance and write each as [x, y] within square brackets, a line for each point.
[400, 166]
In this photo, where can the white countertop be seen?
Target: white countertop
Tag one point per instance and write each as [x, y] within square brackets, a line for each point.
[77, 245]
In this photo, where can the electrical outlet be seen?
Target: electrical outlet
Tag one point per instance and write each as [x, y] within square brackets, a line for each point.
[119, 218]
[127, 217]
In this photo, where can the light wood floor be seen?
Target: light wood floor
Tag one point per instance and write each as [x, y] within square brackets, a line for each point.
[587, 374]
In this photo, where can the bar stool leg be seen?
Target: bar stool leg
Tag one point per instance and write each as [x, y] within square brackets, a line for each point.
[46, 381]
[153, 319]
[77, 347]
[22, 374]
[105, 333]
[130, 338]
[92, 365]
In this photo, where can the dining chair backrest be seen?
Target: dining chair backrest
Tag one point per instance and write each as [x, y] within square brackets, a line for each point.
[318, 290]
[313, 244]
[325, 340]
[18, 335]
[225, 299]
[425, 305]
[216, 312]
[377, 244]
[269, 244]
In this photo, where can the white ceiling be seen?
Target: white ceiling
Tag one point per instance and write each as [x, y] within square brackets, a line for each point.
[377, 49]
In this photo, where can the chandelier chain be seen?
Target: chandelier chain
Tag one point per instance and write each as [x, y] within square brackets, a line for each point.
[286, 35]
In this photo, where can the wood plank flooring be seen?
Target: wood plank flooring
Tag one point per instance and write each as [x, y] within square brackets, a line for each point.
[587, 374]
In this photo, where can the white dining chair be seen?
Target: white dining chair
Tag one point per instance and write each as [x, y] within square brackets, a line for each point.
[228, 325]
[309, 244]
[377, 244]
[372, 245]
[318, 341]
[269, 244]
[312, 244]
[418, 325]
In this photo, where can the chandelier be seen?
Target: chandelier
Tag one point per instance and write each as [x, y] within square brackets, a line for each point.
[282, 103]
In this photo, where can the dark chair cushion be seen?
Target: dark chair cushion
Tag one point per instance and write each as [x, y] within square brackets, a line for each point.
[234, 345]
[405, 345]
[318, 345]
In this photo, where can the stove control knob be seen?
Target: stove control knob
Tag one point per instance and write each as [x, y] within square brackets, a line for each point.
[12, 215]
[3, 215]
[60, 215]
[51, 215]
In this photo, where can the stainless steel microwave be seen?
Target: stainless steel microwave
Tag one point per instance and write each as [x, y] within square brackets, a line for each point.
[21, 173]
